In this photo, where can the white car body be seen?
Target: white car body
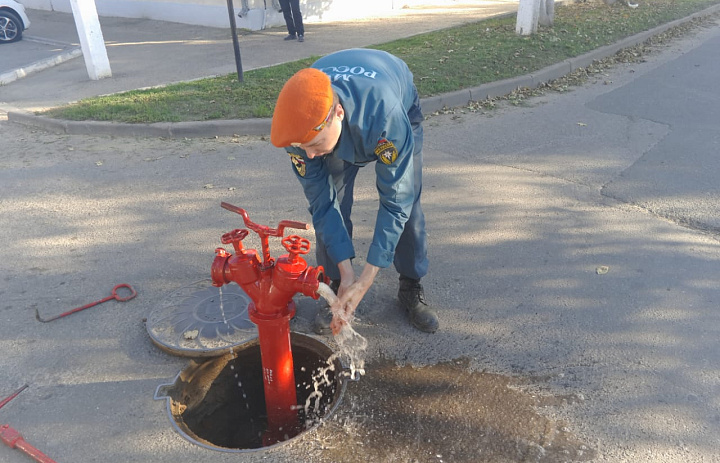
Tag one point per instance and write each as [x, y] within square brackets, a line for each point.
[18, 10]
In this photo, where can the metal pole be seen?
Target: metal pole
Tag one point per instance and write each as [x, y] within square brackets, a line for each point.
[236, 45]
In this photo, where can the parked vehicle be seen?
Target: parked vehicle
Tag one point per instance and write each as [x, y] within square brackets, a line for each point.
[13, 21]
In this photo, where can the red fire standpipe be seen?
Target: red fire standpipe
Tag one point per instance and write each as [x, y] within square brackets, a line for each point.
[271, 286]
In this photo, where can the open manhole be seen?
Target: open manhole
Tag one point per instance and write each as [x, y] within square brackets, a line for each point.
[219, 403]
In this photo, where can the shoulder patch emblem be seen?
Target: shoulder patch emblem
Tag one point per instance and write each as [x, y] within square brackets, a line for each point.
[386, 151]
[299, 163]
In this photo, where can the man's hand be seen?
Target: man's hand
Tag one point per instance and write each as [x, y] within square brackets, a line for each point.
[350, 293]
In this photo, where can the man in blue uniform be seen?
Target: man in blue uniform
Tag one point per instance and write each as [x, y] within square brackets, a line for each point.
[350, 109]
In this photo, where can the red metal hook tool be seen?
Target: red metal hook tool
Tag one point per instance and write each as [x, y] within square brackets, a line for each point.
[14, 440]
[113, 295]
[4, 401]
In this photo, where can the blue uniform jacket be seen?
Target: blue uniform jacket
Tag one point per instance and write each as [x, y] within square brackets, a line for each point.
[377, 93]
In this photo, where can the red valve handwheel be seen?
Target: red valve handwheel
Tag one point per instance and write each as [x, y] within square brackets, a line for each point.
[296, 244]
[235, 235]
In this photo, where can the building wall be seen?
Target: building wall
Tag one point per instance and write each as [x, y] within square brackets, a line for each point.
[258, 14]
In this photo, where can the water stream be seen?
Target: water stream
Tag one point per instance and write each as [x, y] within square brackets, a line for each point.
[232, 363]
[351, 345]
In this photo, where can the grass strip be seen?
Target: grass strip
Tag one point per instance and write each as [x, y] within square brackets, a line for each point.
[442, 61]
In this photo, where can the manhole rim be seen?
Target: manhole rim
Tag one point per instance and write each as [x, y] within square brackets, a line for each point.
[342, 378]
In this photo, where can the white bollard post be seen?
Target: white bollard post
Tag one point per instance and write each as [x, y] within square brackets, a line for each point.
[527, 17]
[91, 39]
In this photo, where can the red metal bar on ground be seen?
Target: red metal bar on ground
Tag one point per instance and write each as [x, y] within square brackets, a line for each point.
[12, 396]
[14, 440]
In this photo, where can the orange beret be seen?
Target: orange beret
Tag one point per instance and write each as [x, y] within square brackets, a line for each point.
[302, 106]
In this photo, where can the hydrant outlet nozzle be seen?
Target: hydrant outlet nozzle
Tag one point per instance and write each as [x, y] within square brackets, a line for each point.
[217, 271]
[311, 279]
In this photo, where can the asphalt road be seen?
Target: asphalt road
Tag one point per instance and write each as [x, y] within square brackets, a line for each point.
[573, 244]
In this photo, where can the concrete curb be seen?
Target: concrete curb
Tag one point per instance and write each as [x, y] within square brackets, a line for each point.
[160, 129]
[43, 40]
[40, 65]
[205, 129]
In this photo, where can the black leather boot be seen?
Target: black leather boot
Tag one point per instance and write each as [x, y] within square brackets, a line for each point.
[412, 300]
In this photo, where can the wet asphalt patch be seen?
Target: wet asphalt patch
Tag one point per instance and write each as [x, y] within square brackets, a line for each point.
[444, 413]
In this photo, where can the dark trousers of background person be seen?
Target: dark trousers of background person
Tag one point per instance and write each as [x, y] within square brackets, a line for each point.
[293, 17]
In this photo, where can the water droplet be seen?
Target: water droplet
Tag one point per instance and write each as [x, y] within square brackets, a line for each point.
[222, 307]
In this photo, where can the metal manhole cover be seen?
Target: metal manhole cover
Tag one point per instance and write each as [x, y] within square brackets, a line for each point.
[200, 320]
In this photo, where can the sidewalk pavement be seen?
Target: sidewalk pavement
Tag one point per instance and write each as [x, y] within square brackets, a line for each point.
[145, 53]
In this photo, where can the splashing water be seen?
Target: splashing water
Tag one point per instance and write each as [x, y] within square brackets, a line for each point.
[351, 344]
[313, 406]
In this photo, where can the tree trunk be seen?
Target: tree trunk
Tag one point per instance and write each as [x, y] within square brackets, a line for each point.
[547, 13]
[527, 17]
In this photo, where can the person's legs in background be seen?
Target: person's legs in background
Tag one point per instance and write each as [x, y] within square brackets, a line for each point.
[297, 18]
[288, 15]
